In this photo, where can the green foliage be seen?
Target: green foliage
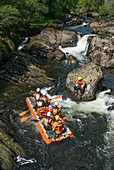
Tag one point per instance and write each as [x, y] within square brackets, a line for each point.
[82, 3]
[9, 17]
[103, 10]
[4, 51]
[92, 5]
[112, 8]
[34, 10]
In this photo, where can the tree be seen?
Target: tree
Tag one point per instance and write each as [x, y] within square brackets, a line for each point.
[34, 10]
[9, 17]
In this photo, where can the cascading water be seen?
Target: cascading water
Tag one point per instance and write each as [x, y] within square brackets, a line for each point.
[23, 43]
[80, 51]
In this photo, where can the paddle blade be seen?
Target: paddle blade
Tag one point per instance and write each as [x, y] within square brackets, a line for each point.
[25, 118]
[23, 113]
[57, 97]
[65, 118]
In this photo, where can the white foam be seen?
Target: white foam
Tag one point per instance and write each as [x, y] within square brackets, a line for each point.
[79, 51]
[24, 161]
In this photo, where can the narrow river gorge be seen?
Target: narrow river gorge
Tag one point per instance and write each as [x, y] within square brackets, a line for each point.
[92, 123]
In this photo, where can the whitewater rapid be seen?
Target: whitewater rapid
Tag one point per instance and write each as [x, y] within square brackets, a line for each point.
[80, 50]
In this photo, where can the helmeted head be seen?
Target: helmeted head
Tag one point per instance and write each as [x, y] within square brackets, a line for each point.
[48, 114]
[40, 104]
[44, 93]
[56, 104]
[38, 90]
[57, 117]
[79, 78]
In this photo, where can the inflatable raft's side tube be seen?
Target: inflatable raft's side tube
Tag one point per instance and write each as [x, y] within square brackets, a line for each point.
[37, 123]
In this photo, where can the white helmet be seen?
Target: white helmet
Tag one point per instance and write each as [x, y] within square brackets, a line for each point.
[38, 90]
[44, 93]
[48, 113]
[56, 104]
[40, 104]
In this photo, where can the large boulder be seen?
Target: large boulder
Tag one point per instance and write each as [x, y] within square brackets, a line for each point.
[58, 38]
[93, 77]
[101, 51]
[102, 45]
[47, 43]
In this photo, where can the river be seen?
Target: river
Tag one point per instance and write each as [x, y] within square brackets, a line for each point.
[92, 123]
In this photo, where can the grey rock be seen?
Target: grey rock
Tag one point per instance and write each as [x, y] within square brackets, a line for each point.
[93, 77]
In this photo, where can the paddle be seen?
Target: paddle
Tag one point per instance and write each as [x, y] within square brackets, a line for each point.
[57, 97]
[34, 120]
[23, 113]
[65, 118]
[25, 118]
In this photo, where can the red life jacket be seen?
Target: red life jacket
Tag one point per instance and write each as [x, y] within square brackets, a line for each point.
[60, 125]
[42, 111]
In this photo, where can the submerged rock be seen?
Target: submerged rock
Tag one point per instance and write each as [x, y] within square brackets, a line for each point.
[72, 60]
[93, 77]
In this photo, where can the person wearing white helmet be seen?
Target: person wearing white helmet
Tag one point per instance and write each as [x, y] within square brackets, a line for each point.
[56, 104]
[80, 85]
[45, 98]
[55, 110]
[47, 121]
[42, 109]
[37, 94]
[39, 103]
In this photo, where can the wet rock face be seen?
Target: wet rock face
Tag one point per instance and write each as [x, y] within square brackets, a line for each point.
[46, 45]
[21, 69]
[101, 51]
[91, 74]
[102, 45]
[72, 60]
[9, 150]
[59, 38]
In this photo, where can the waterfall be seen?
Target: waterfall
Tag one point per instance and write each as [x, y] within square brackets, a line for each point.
[79, 51]
[23, 43]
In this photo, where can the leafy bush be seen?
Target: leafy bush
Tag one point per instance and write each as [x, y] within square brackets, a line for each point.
[103, 10]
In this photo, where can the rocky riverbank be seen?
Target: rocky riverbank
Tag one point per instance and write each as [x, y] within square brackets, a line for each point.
[9, 149]
[101, 49]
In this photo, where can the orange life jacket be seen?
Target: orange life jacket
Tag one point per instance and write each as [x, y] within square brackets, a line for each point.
[80, 83]
[41, 111]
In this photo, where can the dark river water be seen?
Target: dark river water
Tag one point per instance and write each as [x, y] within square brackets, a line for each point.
[92, 124]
